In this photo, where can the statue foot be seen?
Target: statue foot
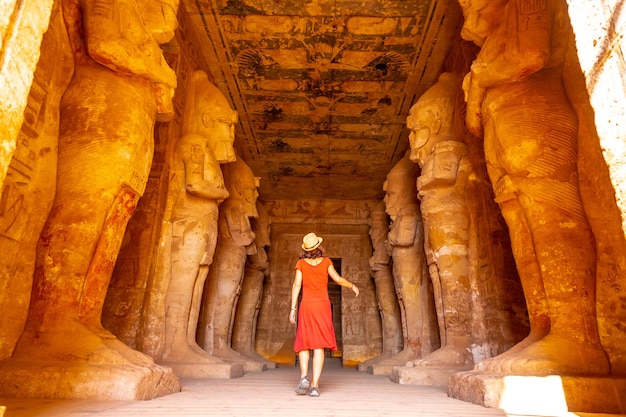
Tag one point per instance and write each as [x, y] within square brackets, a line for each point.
[447, 357]
[252, 355]
[495, 364]
[228, 354]
[112, 342]
[555, 355]
[401, 358]
[190, 354]
[73, 342]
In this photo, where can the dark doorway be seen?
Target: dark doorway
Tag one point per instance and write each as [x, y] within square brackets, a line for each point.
[334, 293]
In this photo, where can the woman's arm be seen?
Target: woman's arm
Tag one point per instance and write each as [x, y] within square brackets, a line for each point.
[295, 292]
[342, 281]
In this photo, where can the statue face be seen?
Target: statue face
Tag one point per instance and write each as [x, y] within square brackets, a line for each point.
[392, 199]
[250, 195]
[221, 134]
[419, 124]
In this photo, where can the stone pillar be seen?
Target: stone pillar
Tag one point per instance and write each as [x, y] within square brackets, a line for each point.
[197, 188]
[410, 271]
[249, 303]
[380, 268]
[235, 242]
[120, 85]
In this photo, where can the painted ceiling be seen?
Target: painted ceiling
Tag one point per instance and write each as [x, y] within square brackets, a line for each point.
[322, 88]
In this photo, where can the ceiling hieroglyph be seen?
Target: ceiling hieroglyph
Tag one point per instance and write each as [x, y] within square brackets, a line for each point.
[322, 88]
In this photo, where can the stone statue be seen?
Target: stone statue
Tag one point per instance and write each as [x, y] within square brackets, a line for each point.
[445, 169]
[380, 267]
[235, 242]
[406, 243]
[249, 304]
[120, 86]
[515, 96]
[198, 188]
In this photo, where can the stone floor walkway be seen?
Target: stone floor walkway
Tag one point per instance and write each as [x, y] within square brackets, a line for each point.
[345, 392]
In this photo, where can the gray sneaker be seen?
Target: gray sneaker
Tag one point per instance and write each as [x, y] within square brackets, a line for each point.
[303, 386]
[315, 392]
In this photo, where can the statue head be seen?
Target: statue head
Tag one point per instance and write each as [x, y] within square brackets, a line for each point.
[430, 118]
[242, 186]
[481, 17]
[399, 187]
[379, 224]
[208, 113]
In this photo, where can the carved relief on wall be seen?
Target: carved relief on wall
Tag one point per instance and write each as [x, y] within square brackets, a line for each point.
[27, 192]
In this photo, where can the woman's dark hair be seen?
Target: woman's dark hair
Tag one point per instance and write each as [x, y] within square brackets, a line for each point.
[318, 252]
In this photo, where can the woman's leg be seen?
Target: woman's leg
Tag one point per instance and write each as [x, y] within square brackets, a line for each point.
[318, 365]
[303, 358]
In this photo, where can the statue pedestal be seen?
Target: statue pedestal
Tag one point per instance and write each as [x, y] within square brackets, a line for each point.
[540, 395]
[225, 370]
[381, 369]
[84, 381]
[424, 375]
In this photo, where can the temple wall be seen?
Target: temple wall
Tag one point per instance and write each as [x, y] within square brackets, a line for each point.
[22, 25]
[28, 188]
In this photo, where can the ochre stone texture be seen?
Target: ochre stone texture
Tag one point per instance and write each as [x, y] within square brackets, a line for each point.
[91, 180]
[105, 142]
[380, 269]
[22, 26]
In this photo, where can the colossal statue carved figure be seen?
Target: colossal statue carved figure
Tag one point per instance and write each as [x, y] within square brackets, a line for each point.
[515, 96]
[198, 188]
[406, 241]
[120, 86]
[441, 187]
[235, 242]
[380, 267]
[256, 269]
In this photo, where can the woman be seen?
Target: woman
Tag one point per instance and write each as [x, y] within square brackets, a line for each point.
[315, 324]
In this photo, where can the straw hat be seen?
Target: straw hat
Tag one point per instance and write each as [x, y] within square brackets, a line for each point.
[311, 241]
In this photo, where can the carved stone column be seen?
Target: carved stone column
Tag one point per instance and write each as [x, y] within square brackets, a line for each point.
[249, 303]
[235, 242]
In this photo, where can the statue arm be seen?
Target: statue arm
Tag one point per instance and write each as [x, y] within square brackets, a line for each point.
[239, 226]
[520, 46]
[194, 160]
[116, 37]
[403, 229]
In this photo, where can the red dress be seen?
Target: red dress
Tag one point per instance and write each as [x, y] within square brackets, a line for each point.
[315, 321]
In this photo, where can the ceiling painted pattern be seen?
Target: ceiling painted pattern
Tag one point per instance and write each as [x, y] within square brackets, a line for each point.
[322, 88]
